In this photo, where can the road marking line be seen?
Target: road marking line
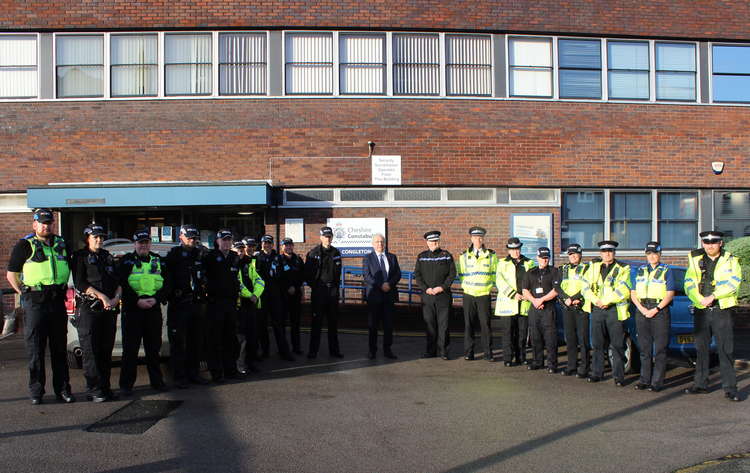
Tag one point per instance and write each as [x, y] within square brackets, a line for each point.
[318, 365]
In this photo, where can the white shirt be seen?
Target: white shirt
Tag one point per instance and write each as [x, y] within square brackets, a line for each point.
[385, 258]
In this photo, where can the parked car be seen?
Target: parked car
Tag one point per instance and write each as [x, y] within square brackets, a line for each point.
[118, 247]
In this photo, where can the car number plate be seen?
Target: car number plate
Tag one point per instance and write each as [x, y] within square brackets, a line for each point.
[684, 339]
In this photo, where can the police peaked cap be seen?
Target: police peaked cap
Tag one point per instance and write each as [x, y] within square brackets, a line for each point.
[223, 233]
[190, 231]
[711, 235]
[326, 231]
[513, 243]
[653, 247]
[142, 235]
[43, 216]
[607, 245]
[94, 229]
[543, 252]
[238, 244]
[479, 231]
[432, 235]
[266, 239]
[287, 241]
[575, 248]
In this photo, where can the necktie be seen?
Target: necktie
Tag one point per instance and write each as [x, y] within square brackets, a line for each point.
[382, 264]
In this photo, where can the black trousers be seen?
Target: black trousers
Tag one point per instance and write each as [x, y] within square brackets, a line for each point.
[293, 307]
[515, 329]
[46, 321]
[543, 329]
[186, 329]
[719, 323]
[653, 338]
[605, 325]
[436, 311]
[325, 303]
[141, 325]
[274, 311]
[261, 328]
[96, 332]
[223, 347]
[380, 312]
[247, 334]
[477, 315]
[576, 324]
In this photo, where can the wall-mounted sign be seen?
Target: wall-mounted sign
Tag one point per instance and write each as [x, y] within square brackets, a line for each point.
[294, 228]
[353, 236]
[386, 170]
[534, 230]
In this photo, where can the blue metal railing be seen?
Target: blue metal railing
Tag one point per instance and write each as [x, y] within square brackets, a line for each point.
[352, 278]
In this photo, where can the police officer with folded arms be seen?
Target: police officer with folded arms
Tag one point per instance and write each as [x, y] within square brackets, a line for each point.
[187, 306]
[38, 270]
[98, 294]
[652, 297]
[575, 319]
[271, 267]
[711, 282]
[538, 288]
[511, 305]
[434, 272]
[292, 278]
[323, 275]
[607, 295]
[476, 269]
[143, 293]
[251, 290]
[263, 259]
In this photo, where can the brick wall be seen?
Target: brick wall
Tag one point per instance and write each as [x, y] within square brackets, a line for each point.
[12, 227]
[442, 142]
[666, 18]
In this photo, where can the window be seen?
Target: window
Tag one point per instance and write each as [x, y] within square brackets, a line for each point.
[309, 195]
[468, 64]
[675, 71]
[309, 63]
[628, 70]
[187, 64]
[363, 194]
[678, 219]
[731, 73]
[18, 66]
[80, 66]
[732, 213]
[471, 194]
[416, 194]
[533, 195]
[530, 67]
[362, 64]
[134, 65]
[582, 218]
[416, 64]
[580, 74]
[242, 63]
[630, 214]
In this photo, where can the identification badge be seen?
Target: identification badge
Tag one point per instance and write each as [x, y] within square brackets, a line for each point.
[539, 290]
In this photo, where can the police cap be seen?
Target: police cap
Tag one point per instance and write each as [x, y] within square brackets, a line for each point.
[513, 243]
[543, 252]
[223, 234]
[478, 231]
[653, 247]
[575, 248]
[43, 216]
[190, 231]
[287, 241]
[142, 235]
[326, 231]
[711, 236]
[238, 244]
[94, 229]
[249, 241]
[432, 235]
[266, 239]
[607, 245]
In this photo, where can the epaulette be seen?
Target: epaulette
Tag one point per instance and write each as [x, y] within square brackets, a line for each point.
[491, 251]
[698, 252]
[28, 237]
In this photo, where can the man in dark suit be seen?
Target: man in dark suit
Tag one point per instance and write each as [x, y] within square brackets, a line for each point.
[381, 273]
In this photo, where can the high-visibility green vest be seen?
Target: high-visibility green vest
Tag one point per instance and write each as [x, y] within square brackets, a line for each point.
[477, 274]
[614, 289]
[249, 273]
[505, 280]
[146, 278]
[651, 283]
[572, 281]
[727, 278]
[47, 265]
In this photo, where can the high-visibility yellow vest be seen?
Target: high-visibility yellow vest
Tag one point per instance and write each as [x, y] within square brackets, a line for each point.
[651, 283]
[477, 274]
[614, 289]
[47, 265]
[505, 280]
[727, 278]
[572, 280]
[251, 274]
[146, 278]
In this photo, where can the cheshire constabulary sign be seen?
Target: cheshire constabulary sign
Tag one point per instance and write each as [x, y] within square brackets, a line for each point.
[353, 236]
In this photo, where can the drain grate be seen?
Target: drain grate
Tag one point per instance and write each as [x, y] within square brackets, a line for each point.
[134, 418]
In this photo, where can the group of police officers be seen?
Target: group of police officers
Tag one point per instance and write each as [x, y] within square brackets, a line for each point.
[221, 301]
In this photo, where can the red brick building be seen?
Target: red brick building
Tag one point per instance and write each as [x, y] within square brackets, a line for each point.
[575, 120]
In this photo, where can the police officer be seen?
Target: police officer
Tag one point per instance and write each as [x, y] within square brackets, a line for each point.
[476, 270]
[143, 292]
[98, 294]
[251, 247]
[271, 267]
[38, 270]
[653, 294]
[711, 282]
[251, 290]
[323, 275]
[607, 296]
[292, 278]
[434, 272]
[186, 311]
[263, 260]
[575, 319]
[539, 288]
[223, 284]
[511, 306]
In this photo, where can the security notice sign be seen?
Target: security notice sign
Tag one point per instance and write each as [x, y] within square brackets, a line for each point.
[386, 170]
[353, 236]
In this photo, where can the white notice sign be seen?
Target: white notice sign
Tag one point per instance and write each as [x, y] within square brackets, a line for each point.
[386, 170]
[353, 236]
[294, 228]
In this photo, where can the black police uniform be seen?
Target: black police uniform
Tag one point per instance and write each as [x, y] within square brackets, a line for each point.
[323, 275]
[96, 326]
[436, 268]
[263, 266]
[140, 324]
[292, 278]
[272, 300]
[542, 326]
[45, 321]
[223, 290]
[576, 325]
[186, 311]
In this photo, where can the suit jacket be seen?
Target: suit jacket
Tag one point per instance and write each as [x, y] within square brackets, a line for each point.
[374, 277]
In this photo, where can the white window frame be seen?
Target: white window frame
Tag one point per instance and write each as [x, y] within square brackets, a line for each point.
[163, 65]
[710, 59]
[387, 90]
[444, 65]
[105, 66]
[8, 209]
[696, 49]
[334, 64]
[553, 72]
[267, 58]
[651, 73]
[38, 74]
[602, 68]
[655, 205]
[556, 202]
[159, 64]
